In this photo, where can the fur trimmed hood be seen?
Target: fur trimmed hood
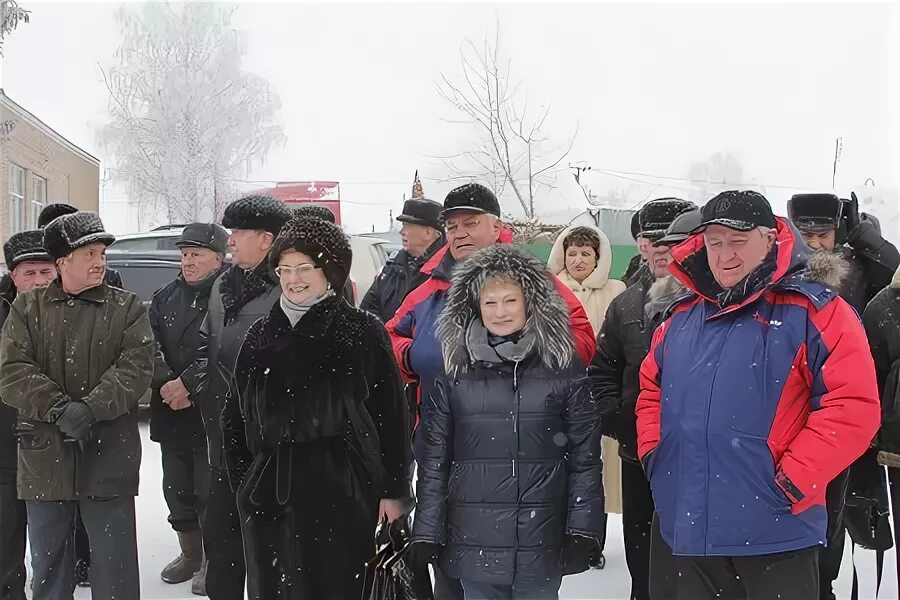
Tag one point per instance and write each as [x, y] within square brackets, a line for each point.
[557, 261]
[828, 268]
[547, 315]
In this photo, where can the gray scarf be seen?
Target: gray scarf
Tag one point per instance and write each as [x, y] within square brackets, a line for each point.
[481, 348]
[295, 312]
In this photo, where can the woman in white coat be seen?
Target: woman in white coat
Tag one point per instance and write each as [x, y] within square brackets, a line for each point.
[581, 257]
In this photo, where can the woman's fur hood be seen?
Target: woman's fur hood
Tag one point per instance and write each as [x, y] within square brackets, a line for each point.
[547, 313]
[557, 261]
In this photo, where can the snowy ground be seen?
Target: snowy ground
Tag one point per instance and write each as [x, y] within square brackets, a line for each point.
[158, 545]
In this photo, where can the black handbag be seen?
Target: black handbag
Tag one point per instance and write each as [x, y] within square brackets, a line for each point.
[389, 575]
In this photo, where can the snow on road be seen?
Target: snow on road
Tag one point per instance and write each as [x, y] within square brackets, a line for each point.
[158, 546]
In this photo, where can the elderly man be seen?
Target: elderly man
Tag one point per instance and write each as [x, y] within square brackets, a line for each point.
[622, 345]
[422, 235]
[472, 220]
[757, 391]
[242, 294]
[30, 266]
[176, 312]
[76, 358]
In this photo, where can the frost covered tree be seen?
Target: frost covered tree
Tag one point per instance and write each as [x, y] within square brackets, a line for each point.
[186, 119]
[11, 14]
[508, 147]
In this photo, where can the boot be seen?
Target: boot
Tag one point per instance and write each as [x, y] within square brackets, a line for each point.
[188, 562]
[198, 582]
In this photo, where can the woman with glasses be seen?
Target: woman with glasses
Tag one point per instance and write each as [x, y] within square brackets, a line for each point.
[316, 428]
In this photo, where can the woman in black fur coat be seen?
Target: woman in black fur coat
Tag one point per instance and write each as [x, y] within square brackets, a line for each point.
[317, 429]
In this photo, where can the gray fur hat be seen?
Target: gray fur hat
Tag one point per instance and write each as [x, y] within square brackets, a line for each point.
[262, 213]
[65, 234]
[547, 316]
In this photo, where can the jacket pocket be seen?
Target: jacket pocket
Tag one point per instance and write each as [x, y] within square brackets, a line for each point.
[33, 435]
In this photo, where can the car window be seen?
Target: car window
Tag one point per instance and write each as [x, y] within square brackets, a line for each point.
[167, 243]
[136, 245]
[381, 256]
[144, 280]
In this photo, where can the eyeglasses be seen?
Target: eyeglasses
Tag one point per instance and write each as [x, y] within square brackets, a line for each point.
[285, 270]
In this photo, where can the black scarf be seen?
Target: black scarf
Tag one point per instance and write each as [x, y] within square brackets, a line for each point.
[754, 282]
[240, 287]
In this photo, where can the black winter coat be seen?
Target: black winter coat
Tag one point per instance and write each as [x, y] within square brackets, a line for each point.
[316, 433]
[622, 345]
[237, 300]
[509, 462]
[882, 321]
[397, 279]
[872, 260]
[176, 314]
[9, 446]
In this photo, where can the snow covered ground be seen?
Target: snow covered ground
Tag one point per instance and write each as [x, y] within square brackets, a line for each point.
[158, 546]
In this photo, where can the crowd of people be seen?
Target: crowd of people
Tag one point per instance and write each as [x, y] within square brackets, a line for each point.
[726, 398]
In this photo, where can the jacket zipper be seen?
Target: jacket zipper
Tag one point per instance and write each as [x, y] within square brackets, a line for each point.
[516, 408]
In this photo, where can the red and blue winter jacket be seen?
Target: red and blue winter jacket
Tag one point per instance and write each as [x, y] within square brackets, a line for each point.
[751, 405]
[412, 330]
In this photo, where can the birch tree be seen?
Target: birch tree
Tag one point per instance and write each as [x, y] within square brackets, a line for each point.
[187, 121]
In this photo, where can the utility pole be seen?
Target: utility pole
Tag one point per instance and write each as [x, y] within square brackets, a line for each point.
[838, 147]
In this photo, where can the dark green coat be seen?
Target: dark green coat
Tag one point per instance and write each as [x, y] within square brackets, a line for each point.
[96, 348]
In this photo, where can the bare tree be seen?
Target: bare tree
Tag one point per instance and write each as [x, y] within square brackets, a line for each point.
[509, 148]
[11, 14]
[186, 120]
[711, 176]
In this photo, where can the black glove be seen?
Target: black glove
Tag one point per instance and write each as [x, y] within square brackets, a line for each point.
[421, 554]
[578, 553]
[851, 213]
[75, 420]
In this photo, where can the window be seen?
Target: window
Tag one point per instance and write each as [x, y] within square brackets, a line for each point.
[16, 199]
[37, 198]
[137, 245]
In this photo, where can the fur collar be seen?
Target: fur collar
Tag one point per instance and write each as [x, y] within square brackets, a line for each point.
[664, 287]
[238, 288]
[547, 314]
[828, 268]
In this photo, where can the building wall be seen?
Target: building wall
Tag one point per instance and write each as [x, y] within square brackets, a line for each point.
[72, 176]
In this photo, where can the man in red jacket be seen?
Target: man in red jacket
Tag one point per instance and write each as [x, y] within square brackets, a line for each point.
[472, 222]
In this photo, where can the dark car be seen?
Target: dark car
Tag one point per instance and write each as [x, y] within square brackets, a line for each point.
[143, 273]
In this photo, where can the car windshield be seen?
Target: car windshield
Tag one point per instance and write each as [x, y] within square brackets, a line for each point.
[144, 280]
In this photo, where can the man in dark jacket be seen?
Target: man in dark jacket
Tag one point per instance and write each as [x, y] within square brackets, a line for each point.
[829, 224]
[423, 236]
[176, 312]
[622, 344]
[75, 359]
[30, 266]
[241, 295]
[757, 391]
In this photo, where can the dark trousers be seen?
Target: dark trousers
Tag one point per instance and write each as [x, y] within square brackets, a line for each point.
[445, 587]
[185, 479]
[894, 489]
[830, 557]
[637, 516]
[487, 591]
[222, 539]
[12, 540]
[788, 575]
[663, 576]
[82, 543]
[110, 527]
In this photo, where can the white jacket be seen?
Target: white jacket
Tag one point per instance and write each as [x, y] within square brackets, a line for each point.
[598, 290]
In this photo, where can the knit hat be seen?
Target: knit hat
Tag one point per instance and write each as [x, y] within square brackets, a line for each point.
[815, 213]
[65, 234]
[323, 242]
[51, 211]
[23, 247]
[211, 236]
[315, 211]
[743, 210]
[472, 197]
[262, 213]
[657, 215]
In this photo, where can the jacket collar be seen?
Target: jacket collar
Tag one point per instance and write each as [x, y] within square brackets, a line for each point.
[55, 293]
[204, 288]
[441, 265]
[314, 324]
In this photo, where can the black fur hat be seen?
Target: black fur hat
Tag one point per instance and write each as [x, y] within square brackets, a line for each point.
[65, 234]
[815, 213]
[25, 246]
[547, 315]
[51, 211]
[315, 211]
[320, 240]
[262, 213]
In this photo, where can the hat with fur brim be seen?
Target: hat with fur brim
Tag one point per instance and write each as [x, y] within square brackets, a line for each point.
[65, 234]
[260, 213]
[25, 246]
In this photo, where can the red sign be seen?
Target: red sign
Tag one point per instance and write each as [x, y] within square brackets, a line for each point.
[324, 193]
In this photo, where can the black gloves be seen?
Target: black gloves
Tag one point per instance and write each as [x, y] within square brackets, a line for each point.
[421, 554]
[851, 213]
[75, 419]
[578, 553]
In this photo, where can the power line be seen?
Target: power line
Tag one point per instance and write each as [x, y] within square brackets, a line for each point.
[768, 185]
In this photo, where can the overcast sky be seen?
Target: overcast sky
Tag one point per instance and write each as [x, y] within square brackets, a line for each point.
[651, 87]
